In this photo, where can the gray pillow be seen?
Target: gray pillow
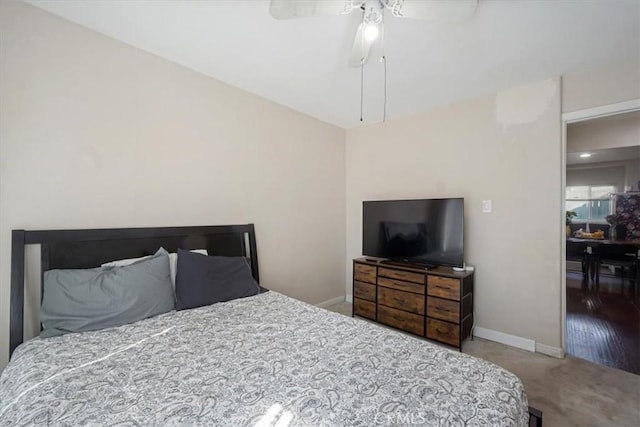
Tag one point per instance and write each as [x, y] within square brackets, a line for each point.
[204, 280]
[98, 298]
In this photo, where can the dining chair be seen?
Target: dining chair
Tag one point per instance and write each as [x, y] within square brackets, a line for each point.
[578, 252]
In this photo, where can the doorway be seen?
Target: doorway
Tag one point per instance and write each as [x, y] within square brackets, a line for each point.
[601, 308]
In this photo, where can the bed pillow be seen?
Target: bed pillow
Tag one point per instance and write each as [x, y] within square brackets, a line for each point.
[126, 261]
[98, 298]
[173, 262]
[204, 280]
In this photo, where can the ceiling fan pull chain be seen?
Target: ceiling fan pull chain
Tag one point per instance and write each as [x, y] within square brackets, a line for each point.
[384, 63]
[361, 86]
[384, 106]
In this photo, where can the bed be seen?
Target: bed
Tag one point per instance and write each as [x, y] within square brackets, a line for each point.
[261, 360]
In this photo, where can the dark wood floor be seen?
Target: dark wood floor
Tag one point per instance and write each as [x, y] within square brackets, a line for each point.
[603, 323]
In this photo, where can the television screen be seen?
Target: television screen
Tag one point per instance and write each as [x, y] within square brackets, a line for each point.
[427, 231]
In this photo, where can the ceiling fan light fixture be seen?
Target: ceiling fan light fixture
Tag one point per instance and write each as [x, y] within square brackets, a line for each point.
[371, 32]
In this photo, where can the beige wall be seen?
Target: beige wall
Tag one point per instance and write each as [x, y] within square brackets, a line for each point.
[96, 133]
[99, 134]
[601, 86]
[608, 173]
[505, 148]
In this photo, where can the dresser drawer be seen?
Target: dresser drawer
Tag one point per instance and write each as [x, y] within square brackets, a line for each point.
[401, 275]
[443, 287]
[365, 273]
[448, 333]
[401, 285]
[443, 309]
[364, 291]
[401, 319]
[364, 308]
[406, 301]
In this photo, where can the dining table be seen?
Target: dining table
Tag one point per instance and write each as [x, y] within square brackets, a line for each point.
[591, 254]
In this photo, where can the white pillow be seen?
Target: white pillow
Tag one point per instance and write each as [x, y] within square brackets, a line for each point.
[173, 262]
[123, 262]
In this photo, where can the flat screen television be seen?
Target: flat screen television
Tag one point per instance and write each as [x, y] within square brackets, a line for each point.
[427, 231]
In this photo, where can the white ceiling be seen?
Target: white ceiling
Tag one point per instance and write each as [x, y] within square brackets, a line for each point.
[606, 155]
[626, 125]
[303, 63]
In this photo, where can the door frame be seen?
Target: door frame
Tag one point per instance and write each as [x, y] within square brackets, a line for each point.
[568, 118]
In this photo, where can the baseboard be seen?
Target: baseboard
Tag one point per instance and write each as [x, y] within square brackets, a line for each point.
[549, 350]
[518, 342]
[349, 298]
[502, 338]
[332, 301]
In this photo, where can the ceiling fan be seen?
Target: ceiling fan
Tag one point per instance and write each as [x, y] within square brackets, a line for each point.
[372, 15]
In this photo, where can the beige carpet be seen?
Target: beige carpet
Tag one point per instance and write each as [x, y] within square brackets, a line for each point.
[569, 391]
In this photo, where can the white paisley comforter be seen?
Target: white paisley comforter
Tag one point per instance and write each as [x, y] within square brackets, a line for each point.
[261, 360]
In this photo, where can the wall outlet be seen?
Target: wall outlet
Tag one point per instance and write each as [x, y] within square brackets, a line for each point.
[486, 206]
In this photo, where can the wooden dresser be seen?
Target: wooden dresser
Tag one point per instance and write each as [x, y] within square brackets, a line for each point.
[436, 304]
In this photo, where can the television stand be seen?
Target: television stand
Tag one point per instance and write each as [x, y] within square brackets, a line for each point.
[408, 264]
[436, 304]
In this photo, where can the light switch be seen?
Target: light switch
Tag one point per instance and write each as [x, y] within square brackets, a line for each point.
[486, 206]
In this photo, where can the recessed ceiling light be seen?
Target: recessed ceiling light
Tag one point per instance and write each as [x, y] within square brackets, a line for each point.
[585, 155]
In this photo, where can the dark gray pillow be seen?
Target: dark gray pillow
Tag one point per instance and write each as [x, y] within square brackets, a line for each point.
[204, 280]
[98, 298]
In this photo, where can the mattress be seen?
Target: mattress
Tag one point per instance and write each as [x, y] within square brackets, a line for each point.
[263, 360]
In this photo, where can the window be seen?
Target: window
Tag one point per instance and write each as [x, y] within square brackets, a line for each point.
[590, 203]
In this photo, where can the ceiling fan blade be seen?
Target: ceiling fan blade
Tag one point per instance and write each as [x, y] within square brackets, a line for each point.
[432, 10]
[288, 9]
[360, 49]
